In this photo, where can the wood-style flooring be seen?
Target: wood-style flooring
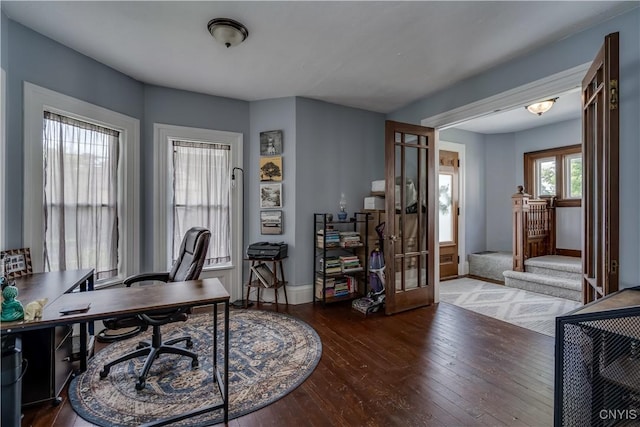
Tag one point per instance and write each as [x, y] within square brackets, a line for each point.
[434, 366]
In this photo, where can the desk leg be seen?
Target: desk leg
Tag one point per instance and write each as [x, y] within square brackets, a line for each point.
[226, 362]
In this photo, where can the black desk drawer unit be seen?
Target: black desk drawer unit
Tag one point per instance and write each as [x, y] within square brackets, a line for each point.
[47, 371]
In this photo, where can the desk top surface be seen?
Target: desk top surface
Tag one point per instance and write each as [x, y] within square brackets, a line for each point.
[122, 301]
[49, 285]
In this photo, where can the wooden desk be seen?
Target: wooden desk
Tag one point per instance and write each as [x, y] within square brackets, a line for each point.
[49, 351]
[275, 283]
[116, 302]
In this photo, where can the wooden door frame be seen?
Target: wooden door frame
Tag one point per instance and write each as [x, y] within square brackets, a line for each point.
[521, 95]
[463, 265]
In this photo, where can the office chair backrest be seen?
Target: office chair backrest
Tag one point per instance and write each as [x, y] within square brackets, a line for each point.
[193, 251]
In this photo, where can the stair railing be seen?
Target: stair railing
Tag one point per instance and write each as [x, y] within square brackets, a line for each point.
[534, 227]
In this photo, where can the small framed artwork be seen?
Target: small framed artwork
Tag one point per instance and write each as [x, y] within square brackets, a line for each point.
[271, 222]
[271, 143]
[270, 196]
[271, 168]
[17, 262]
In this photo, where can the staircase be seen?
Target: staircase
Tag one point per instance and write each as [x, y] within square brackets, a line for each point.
[556, 275]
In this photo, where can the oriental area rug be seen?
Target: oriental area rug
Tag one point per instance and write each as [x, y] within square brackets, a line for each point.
[270, 354]
[529, 310]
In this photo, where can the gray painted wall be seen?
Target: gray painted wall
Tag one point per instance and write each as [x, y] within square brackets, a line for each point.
[273, 114]
[553, 58]
[505, 171]
[500, 183]
[4, 40]
[44, 62]
[338, 149]
[180, 108]
[475, 188]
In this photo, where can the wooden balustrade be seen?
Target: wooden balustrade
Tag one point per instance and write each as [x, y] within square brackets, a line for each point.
[534, 227]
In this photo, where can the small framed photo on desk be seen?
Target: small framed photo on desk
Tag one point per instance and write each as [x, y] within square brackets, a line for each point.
[17, 262]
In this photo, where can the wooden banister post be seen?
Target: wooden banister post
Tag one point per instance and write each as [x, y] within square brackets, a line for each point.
[518, 203]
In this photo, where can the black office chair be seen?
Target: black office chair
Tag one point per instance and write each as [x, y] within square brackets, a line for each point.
[188, 266]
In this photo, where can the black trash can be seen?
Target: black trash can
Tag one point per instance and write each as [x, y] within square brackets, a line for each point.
[11, 381]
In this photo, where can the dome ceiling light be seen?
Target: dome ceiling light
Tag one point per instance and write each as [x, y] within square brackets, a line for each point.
[227, 31]
[541, 107]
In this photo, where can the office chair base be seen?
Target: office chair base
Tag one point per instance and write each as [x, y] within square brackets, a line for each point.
[105, 337]
[152, 353]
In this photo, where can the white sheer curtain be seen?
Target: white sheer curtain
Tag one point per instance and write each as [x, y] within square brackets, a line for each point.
[80, 162]
[201, 195]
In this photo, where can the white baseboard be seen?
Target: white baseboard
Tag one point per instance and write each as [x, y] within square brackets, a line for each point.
[295, 294]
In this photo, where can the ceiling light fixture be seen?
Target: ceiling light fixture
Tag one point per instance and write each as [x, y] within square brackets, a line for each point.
[227, 31]
[541, 107]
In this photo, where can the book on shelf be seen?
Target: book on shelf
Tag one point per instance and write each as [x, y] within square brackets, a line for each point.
[264, 274]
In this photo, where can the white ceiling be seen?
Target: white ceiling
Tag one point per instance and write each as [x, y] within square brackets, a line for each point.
[377, 56]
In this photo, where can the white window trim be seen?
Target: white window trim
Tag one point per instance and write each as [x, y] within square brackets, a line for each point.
[38, 99]
[163, 134]
[566, 168]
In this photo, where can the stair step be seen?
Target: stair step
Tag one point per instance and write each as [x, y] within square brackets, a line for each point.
[549, 285]
[556, 262]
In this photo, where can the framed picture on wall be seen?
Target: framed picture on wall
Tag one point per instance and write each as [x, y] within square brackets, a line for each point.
[271, 222]
[271, 168]
[17, 262]
[270, 196]
[271, 143]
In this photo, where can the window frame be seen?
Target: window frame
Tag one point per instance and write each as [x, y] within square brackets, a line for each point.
[560, 154]
[164, 134]
[38, 99]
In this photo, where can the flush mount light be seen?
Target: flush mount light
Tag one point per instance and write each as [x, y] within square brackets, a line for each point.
[227, 31]
[541, 107]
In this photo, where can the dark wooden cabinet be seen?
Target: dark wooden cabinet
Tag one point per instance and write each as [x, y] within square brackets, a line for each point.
[49, 363]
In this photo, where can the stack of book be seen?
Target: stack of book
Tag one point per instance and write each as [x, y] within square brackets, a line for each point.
[344, 286]
[329, 284]
[349, 239]
[331, 265]
[328, 238]
[350, 263]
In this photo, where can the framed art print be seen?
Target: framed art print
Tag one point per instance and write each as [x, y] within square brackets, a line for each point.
[270, 196]
[271, 143]
[271, 168]
[17, 262]
[271, 222]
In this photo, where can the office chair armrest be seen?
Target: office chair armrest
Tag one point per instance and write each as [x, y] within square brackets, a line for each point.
[162, 277]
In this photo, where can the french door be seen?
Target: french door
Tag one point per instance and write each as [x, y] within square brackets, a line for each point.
[600, 121]
[410, 174]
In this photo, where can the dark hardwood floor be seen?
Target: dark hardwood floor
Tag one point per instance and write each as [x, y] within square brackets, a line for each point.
[435, 366]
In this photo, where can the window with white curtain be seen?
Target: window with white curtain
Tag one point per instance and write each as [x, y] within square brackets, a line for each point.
[80, 203]
[81, 186]
[201, 196]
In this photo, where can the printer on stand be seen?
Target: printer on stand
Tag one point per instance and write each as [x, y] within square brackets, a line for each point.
[267, 250]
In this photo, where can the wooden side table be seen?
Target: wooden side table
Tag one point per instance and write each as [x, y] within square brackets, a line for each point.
[273, 281]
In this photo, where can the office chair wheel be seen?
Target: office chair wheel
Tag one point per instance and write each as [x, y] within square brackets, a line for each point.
[140, 384]
[189, 343]
[104, 373]
[194, 363]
